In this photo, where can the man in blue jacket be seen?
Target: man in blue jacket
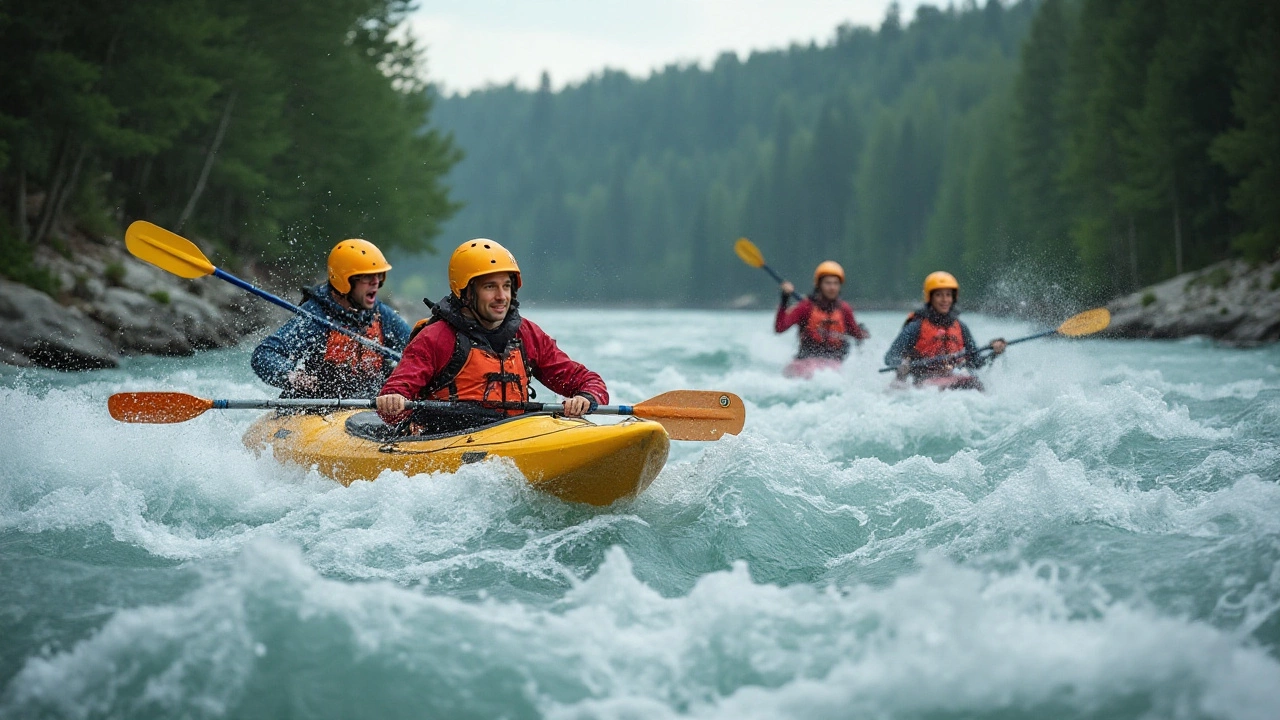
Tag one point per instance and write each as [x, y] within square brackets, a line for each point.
[308, 360]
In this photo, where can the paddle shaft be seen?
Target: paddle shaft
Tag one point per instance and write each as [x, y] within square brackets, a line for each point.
[927, 362]
[780, 280]
[412, 405]
[224, 275]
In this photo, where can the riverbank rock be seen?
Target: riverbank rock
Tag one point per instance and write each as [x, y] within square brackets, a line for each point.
[35, 330]
[1235, 302]
[113, 304]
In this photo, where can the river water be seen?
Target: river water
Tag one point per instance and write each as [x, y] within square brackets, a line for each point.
[1096, 536]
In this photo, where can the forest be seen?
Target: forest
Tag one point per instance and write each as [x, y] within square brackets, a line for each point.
[1085, 147]
[1035, 149]
[266, 130]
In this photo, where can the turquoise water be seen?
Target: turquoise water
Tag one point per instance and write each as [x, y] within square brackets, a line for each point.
[1097, 536]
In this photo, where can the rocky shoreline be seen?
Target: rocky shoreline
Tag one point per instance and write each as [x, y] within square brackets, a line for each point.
[113, 305]
[1233, 302]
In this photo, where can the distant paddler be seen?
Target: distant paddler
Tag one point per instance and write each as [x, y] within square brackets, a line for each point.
[477, 349]
[309, 360]
[934, 342]
[826, 321]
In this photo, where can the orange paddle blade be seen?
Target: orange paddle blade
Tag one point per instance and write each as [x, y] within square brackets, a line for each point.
[156, 407]
[695, 414]
[749, 253]
[166, 250]
[1086, 323]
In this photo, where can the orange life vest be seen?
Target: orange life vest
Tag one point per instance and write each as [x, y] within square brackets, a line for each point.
[486, 377]
[343, 351]
[936, 340]
[824, 328]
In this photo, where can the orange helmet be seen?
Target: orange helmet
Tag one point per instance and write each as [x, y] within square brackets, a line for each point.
[354, 257]
[474, 258]
[940, 281]
[828, 267]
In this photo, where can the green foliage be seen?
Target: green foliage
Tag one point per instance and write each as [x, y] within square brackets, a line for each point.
[618, 188]
[17, 263]
[113, 273]
[1250, 150]
[1216, 278]
[1090, 146]
[274, 128]
[1148, 298]
[160, 296]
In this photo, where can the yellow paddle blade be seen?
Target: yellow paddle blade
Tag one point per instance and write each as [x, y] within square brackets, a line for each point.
[749, 253]
[166, 250]
[695, 414]
[1086, 323]
[156, 407]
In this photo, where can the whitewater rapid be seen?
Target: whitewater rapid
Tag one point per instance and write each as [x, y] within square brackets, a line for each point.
[1097, 535]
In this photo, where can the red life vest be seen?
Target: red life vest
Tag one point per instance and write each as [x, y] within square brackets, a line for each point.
[936, 340]
[825, 329]
[344, 352]
[484, 377]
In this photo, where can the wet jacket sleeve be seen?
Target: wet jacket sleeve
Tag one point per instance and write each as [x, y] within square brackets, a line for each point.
[395, 331]
[902, 344]
[280, 352]
[787, 318]
[553, 368]
[424, 357]
[851, 322]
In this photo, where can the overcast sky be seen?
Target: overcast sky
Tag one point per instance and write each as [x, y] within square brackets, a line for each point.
[472, 43]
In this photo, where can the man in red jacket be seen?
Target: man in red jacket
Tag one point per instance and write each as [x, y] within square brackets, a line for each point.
[476, 350]
[825, 320]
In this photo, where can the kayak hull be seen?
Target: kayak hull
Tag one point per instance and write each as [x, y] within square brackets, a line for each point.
[805, 367]
[572, 459]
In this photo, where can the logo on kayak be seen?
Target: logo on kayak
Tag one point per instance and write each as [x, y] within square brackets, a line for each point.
[724, 401]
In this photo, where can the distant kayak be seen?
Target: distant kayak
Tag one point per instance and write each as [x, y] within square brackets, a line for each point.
[955, 381]
[573, 459]
[806, 367]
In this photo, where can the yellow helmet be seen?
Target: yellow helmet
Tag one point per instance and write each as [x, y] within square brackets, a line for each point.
[940, 281]
[474, 258]
[828, 267]
[354, 257]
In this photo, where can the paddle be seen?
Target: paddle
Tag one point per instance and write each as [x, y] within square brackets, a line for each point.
[181, 257]
[1085, 323]
[685, 414]
[751, 255]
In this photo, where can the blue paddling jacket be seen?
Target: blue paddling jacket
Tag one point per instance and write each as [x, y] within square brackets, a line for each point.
[337, 365]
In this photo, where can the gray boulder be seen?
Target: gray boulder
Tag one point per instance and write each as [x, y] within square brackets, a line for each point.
[1232, 301]
[35, 330]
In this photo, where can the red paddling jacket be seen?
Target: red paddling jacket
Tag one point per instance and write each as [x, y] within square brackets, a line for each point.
[453, 357]
[823, 326]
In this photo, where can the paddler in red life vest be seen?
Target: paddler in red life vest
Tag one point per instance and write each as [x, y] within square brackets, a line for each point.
[477, 350]
[824, 319]
[306, 359]
[934, 331]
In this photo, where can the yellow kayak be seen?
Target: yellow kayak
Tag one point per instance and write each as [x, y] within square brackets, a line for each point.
[573, 459]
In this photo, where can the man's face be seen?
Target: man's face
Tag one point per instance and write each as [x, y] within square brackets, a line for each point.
[493, 297]
[829, 287]
[942, 300]
[364, 290]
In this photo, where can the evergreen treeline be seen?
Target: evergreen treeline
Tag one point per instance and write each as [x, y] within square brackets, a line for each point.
[272, 128]
[1097, 143]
